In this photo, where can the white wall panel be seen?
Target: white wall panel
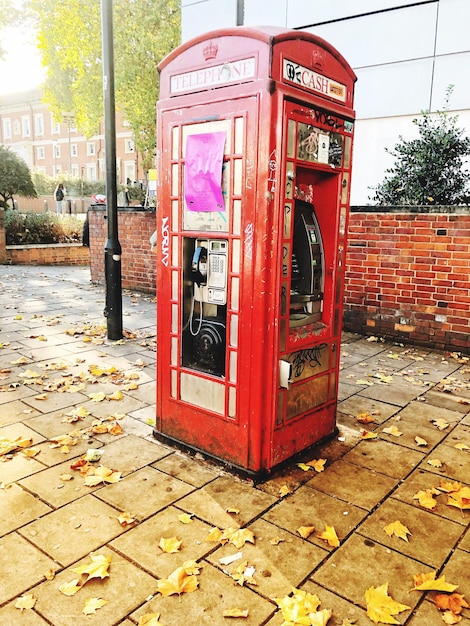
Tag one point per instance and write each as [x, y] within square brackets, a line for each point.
[384, 37]
[200, 17]
[304, 12]
[265, 12]
[453, 26]
[451, 70]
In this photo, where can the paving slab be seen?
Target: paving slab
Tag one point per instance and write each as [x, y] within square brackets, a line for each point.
[424, 414]
[11, 615]
[457, 572]
[380, 411]
[450, 401]
[18, 507]
[130, 453]
[126, 588]
[192, 471]
[210, 503]
[347, 482]
[76, 529]
[376, 454]
[455, 463]
[341, 609]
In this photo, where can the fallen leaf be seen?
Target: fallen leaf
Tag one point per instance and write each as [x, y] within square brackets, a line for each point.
[462, 446]
[25, 602]
[460, 499]
[381, 607]
[97, 397]
[425, 498]
[235, 613]
[420, 441]
[317, 464]
[98, 568]
[304, 467]
[440, 423]
[275, 541]
[238, 536]
[50, 574]
[448, 486]
[66, 477]
[117, 395]
[92, 605]
[71, 588]
[185, 518]
[150, 619]
[178, 582]
[428, 582]
[232, 510]
[451, 618]
[329, 535]
[305, 531]
[31, 452]
[115, 429]
[170, 545]
[398, 529]
[435, 463]
[296, 609]
[126, 518]
[365, 418]
[214, 535]
[284, 491]
[393, 430]
[366, 434]
[101, 474]
[451, 602]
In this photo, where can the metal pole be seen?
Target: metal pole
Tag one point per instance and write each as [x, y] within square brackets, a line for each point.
[112, 250]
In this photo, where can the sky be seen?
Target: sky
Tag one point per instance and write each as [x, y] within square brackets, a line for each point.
[20, 69]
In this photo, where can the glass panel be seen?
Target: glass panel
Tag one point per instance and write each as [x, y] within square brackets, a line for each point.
[174, 351]
[237, 176]
[174, 179]
[174, 215]
[347, 152]
[239, 135]
[174, 251]
[280, 407]
[287, 220]
[233, 367]
[283, 335]
[291, 138]
[235, 293]
[210, 127]
[175, 134]
[174, 285]
[174, 383]
[234, 331]
[237, 216]
[290, 180]
[236, 256]
[342, 221]
[232, 401]
[174, 318]
[345, 188]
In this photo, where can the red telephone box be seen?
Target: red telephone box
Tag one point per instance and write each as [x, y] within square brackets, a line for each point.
[255, 134]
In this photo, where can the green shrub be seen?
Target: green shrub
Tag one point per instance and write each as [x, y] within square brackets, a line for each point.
[39, 228]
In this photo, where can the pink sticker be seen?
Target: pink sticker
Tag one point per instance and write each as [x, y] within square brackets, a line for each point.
[203, 172]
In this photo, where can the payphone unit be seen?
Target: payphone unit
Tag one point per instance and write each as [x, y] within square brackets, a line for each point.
[255, 133]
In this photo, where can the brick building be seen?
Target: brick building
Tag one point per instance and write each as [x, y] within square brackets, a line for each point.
[51, 146]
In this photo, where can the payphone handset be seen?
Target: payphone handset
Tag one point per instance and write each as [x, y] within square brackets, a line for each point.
[209, 270]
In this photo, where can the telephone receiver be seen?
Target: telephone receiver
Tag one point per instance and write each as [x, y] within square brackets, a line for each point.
[199, 265]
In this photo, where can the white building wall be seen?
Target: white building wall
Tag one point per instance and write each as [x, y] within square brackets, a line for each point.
[405, 54]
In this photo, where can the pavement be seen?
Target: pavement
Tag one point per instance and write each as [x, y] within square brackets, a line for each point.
[72, 530]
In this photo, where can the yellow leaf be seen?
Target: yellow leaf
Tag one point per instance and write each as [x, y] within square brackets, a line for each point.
[365, 418]
[393, 430]
[71, 588]
[101, 474]
[25, 602]
[320, 618]
[305, 531]
[214, 535]
[150, 619]
[117, 395]
[21, 361]
[31, 452]
[238, 536]
[440, 423]
[275, 541]
[451, 618]
[303, 466]
[398, 529]
[317, 464]
[329, 535]
[177, 582]
[235, 613]
[18, 317]
[449, 486]
[97, 397]
[115, 429]
[126, 518]
[232, 510]
[284, 491]
[460, 499]
[462, 446]
[29, 374]
[191, 567]
[366, 434]
[425, 499]
[170, 544]
[93, 604]
[80, 411]
[66, 477]
[42, 396]
[50, 574]
[185, 518]
[428, 582]
[296, 609]
[381, 607]
[98, 568]
[435, 463]
[369, 383]
[420, 441]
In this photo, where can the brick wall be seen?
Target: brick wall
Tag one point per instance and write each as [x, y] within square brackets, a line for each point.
[48, 254]
[408, 275]
[135, 227]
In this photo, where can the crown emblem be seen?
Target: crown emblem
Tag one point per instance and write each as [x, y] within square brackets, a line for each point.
[210, 51]
[318, 57]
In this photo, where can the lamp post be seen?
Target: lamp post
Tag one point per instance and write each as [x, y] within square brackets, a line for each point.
[69, 120]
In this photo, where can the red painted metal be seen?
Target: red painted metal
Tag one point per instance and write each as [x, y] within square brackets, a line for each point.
[284, 99]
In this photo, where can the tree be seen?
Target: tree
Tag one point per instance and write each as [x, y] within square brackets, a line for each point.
[69, 36]
[429, 169]
[15, 178]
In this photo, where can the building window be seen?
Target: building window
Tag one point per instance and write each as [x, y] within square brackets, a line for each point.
[74, 150]
[39, 124]
[7, 128]
[74, 172]
[56, 150]
[129, 171]
[129, 146]
[55, 127]
[26, 126]
[90, 148]
[91, 171]
[40, 152]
